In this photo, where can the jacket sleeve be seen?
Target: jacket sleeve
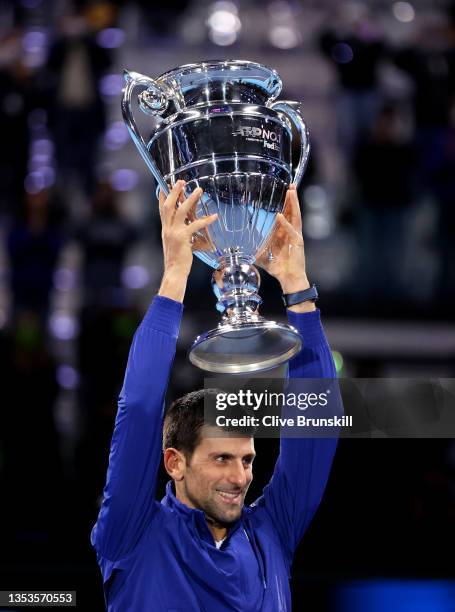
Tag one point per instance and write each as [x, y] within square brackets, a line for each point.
[303, 466]
[135, 454]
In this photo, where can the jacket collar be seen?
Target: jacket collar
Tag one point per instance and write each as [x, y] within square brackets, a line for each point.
[171, 501]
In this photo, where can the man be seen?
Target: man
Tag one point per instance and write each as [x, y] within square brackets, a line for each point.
[200, 548]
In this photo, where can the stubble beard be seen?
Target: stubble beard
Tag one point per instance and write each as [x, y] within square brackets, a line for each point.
[213, 512]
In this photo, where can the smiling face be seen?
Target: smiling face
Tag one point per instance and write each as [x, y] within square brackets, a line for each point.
[217, 476]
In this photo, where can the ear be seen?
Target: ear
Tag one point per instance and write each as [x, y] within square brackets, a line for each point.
[174, 463]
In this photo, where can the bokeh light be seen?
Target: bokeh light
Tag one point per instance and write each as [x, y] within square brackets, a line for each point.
[342, 53]
[135, 277]
[64, 279]
[338, 361]
[284, 37]
[403, 11]
[67, 377]
[116, 136]
[124, 179]
[224, 23]
[111, 85]
[63, 326]
[110, 38]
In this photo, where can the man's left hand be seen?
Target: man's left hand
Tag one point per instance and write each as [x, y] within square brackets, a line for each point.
[287, 263]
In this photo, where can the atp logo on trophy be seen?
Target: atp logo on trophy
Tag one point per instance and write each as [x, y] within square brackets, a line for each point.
[270, 138]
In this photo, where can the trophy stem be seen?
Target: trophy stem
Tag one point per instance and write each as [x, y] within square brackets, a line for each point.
[243, 341]
[236, 283]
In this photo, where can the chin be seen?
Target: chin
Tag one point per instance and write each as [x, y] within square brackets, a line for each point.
[227, 518]
[221, 515]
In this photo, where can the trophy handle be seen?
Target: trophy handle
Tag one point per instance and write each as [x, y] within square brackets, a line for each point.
[292, 111]
[152, 101]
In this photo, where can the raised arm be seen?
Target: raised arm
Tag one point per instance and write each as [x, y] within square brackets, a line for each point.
[303, 466]
[129, 494]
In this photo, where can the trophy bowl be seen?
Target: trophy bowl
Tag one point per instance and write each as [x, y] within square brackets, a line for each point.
[219, 127]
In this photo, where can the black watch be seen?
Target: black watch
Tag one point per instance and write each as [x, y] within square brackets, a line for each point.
[307, 295]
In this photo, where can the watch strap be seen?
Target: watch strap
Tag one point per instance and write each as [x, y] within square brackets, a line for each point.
[307, 295]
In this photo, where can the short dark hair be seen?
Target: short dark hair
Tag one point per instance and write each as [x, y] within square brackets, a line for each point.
[183, 420]
[185, 417]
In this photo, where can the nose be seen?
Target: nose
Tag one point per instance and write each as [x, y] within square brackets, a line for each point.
[237, 474]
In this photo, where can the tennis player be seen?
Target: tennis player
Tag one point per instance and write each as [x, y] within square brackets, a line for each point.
[201, 548]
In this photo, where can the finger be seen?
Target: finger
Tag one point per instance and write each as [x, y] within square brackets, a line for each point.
[290, 230]
[286, 204]
[293, 210]
[161, 199]
[185, 208]
[171, 200]
[162, 194]
[291, 188]
[203, 222]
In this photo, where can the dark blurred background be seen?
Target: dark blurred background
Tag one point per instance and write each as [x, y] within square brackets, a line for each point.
[80, 259]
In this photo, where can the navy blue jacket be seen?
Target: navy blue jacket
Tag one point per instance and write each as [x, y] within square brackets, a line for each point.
[161, 556]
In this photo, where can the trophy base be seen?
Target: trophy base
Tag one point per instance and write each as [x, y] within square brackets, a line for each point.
[241, 347]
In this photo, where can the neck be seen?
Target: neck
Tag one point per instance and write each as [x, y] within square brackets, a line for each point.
[218, 531]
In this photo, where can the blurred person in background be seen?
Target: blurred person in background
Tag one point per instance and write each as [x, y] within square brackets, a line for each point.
[445, 241]
[34, 243]
[355, 49]
[77, 116]
[430, 62]
[105, 239]
[107, 323]
[102, 351]
[18, 95]
[160, 17]
[384, 169]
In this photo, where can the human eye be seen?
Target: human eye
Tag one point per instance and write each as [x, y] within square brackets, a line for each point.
[248, 461]
[221, 458]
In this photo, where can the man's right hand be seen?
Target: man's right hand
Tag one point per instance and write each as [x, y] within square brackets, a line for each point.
[176, 236]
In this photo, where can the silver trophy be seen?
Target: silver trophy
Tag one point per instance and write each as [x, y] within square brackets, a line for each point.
[219, 128]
